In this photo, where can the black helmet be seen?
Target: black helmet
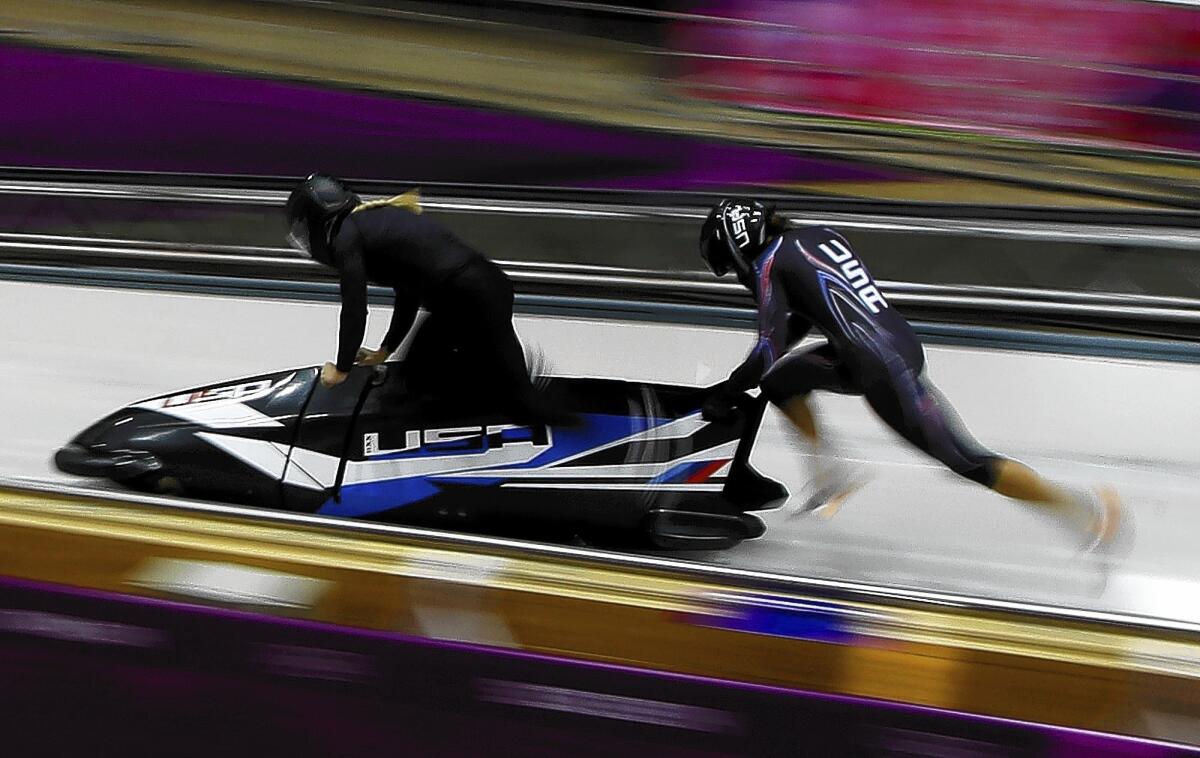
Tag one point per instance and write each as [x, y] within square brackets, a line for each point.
[734, 233]
[313, 209]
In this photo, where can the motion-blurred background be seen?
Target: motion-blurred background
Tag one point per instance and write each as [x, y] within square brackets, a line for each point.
[1065, 103]
[1023, 177]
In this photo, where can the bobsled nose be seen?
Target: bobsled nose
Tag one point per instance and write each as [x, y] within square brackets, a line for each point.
[118, 465]
[75, 459]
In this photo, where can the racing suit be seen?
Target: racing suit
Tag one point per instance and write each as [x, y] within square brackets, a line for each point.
[468, 341]
[811, 278]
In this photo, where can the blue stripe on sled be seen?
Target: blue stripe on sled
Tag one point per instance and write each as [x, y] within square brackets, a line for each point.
[595, 431]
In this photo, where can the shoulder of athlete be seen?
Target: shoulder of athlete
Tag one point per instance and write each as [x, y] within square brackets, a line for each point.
[824, 244]
[789, 247]
[816, 233]
[348, 241]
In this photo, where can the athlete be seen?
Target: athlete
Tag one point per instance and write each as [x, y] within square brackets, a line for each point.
[810, 278]
[468, 338]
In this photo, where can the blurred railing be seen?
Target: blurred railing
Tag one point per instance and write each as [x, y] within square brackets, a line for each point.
[1077, 668]
[946, 270]
[604, 281]
[28, 492]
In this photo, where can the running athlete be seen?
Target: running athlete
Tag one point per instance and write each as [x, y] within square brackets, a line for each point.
[810, 278]
[469, 335]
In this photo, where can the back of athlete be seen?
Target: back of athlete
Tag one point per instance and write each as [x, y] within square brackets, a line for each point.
[811, 278]
[466, 346]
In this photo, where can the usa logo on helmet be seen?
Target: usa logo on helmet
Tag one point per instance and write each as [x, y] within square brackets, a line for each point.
[737, 216]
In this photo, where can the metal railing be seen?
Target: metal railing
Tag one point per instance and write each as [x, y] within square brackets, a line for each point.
[630, 284]
[1149, 313]
[737, 577]
[1164, 235]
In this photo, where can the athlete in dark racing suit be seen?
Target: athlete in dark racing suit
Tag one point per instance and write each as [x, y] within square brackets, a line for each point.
[467, 342]
[810, 278]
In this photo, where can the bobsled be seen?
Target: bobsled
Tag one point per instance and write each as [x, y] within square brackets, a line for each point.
[639, 464]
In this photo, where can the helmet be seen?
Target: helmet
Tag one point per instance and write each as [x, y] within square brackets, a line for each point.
[734, 233]
[313, 209]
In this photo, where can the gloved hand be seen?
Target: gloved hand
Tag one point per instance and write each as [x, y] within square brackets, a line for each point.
[330, 376]
[368, 357]
[720, 406]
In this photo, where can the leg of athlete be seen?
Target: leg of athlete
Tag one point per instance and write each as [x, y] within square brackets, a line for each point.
[790, 381]
[800, 413]
[788, 385]
[911, 405]
[482, 307]
[745, 484]
[433, 361]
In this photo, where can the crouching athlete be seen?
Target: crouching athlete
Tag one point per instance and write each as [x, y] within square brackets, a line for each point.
[806, 278]
[468, 336]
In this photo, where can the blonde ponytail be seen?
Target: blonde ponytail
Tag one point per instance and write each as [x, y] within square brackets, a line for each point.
[410, 201]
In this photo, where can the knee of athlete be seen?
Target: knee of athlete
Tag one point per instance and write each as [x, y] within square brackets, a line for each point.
[503, 297]
[500, 280]
[982, 469]
[772, 390]
[779, 394]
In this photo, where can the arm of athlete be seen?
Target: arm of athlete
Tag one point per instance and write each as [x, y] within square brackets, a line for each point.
[774, 338]
[352, 283]
[404, 312]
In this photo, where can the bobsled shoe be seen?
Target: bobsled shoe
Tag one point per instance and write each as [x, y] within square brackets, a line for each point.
[749, 489]
[833, 484]
[1104, 513]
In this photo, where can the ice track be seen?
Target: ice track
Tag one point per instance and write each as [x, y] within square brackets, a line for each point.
[71, 354]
